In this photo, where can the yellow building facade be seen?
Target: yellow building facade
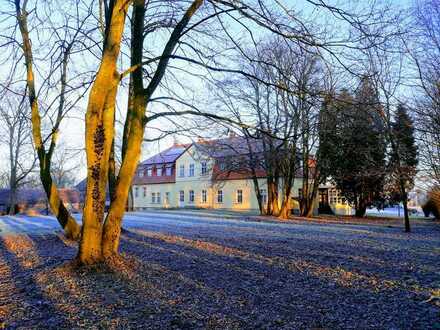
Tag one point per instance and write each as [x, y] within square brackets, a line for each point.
[184, 176]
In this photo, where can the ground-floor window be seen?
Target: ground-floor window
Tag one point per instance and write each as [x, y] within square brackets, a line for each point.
[136, 192]
[181, 196]
[145, 192]
[167, 197]
[153, 197]
[220, 196]
[191, 196]
[158, 198]
[204, 196]
[239, 196]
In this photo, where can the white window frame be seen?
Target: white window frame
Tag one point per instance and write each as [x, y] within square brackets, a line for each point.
[144, 192]
[136, 192]
[158, 198]
[191, 169]
[181, 171]
[204, 196]
[150, 171]
[159, 171]
[167, 197]
[153, 198]
[182, 196]
[191, 196]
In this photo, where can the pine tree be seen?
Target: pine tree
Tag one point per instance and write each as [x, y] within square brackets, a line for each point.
[353, 146]
[403, 160]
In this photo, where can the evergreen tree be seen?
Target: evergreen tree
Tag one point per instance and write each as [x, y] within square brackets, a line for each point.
[353, 146]
[403, 160]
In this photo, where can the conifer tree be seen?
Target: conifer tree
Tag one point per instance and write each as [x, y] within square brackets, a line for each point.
[353, 146]
[403, 160]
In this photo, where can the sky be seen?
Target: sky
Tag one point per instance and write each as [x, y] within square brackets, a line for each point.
[192, 88]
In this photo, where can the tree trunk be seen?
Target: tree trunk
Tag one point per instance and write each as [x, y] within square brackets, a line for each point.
[112, 225]
[360, 209]
[12, 200]
[134, 132]
[405, 206]
[71, 228]
[284, 210]
[272, 198]
[99, 136]
[311, 200]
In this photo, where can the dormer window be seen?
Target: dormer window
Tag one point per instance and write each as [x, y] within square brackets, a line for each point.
[159, 171]
[168, 171]
[150, 172]
[222, 166]
[141, 173]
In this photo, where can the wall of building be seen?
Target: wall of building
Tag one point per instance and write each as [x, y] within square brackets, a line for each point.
[193, 181]
[145, 200]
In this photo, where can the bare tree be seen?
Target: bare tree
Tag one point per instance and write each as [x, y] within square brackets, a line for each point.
[65, 40]
[188, 48]
[16, 134]
[424, 52]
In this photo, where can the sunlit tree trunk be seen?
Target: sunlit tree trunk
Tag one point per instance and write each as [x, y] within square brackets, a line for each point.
[273, 197]
[71, 228]
[99, 135]
[134, 128]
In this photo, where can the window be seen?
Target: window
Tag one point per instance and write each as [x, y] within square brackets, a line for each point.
[300, 193]
[220, 196]
[191, 196]
[149, 172]
[182, 196]
[204, 168]
[182, 170]
[159, 171]
[263, 194]
[141, 174]
[158, 198]
[222, 166]
[167, 197]
[240, 196]
[204, 196]
[333, 196]
[144, 192]
[168, 171]
[136, 192]
[153, 198]
[191, 169]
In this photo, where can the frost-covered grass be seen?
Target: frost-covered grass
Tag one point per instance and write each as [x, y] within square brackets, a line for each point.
[186, 272]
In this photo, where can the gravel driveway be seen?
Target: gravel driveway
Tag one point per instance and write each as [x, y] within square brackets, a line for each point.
[188, 272]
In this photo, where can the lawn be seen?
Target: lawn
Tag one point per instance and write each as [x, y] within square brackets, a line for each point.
[229, 274]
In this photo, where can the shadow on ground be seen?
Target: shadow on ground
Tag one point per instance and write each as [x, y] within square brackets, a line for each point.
[197, 279]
